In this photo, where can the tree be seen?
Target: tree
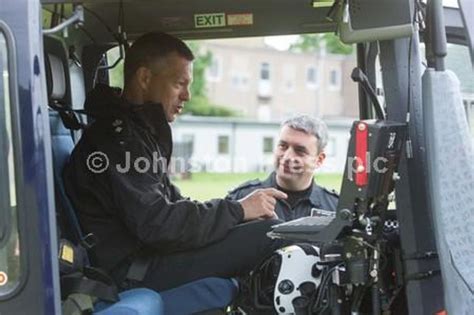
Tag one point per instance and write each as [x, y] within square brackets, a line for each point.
[201, 63]
[313, 42]
[199, 104]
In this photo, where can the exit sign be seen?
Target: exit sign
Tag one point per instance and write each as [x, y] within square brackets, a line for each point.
[209, 20]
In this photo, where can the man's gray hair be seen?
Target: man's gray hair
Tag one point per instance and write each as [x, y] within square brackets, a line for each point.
[310, 125]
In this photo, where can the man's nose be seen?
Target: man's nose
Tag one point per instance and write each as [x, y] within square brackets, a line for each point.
[186, 95]
[289, 154]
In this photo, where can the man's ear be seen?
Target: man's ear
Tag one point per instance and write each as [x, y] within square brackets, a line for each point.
[320, 159]
[143, 76]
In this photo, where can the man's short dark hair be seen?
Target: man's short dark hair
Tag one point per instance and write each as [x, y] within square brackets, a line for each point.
[151, 47]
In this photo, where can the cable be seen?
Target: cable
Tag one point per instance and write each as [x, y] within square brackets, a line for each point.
[322, 288]
[88, 34]
[358, 296]
[324, 283]
[121, 27]
[409, 79]
[54, 16]
[393, 297]
[121, 24]
[120, 36]
[102, 21]
[410, 44]
[466, 283]
[382, 255]
[409, 147]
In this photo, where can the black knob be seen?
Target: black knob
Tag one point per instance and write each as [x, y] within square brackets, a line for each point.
[286, 287]
[307, 288]
[315, 271]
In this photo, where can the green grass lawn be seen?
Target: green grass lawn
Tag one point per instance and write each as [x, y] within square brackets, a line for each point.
[205, 186]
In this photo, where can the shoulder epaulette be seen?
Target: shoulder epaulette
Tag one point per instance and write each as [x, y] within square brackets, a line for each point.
[332, 192]
[247, 184]
[118, 128]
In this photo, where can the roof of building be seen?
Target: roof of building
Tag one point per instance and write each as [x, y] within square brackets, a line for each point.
[333, 122]
[257, 45]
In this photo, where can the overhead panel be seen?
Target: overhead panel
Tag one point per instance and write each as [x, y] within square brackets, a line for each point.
[205, 19]
[371, 20]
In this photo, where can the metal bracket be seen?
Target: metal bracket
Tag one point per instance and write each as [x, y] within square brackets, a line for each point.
[76, 17]
[422, 275]
[421, 255]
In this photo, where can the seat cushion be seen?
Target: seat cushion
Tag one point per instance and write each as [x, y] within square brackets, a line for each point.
[62, 146]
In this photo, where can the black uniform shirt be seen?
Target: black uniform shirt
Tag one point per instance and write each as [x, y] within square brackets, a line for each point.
[137, 210]
[315, 197]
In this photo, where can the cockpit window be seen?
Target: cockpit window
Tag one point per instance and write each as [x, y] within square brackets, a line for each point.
[9, 236]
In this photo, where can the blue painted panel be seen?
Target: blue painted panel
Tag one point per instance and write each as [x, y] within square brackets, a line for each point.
[40, 291]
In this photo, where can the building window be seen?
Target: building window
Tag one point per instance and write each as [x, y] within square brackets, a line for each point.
[335, 79]
[223, 144]
[265, 71]
[311, 77]
[331, 148]
[239, 80]
[264, 88]
[214, 71]
[115, 73]
[234, 80]
[10, 248]
[189, 139]
[267, 144]
[289, 78]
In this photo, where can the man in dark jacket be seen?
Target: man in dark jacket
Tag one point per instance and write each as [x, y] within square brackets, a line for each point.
[300, 151]
[117, 180]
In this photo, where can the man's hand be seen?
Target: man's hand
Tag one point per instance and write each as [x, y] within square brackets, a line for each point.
[261, 203]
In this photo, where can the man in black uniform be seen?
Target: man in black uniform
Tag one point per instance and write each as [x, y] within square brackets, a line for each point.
[117, 180]
[300, 151]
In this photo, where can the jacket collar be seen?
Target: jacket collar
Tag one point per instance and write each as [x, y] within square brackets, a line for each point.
[151, 117]
[105, 103]
[314, 198]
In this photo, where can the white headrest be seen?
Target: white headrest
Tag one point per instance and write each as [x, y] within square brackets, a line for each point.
[58, 78]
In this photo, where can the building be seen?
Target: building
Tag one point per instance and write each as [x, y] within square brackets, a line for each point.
[265, 84]
[222, 145]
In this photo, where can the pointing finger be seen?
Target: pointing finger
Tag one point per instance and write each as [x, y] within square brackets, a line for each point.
[275, 193]
[267, 206]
